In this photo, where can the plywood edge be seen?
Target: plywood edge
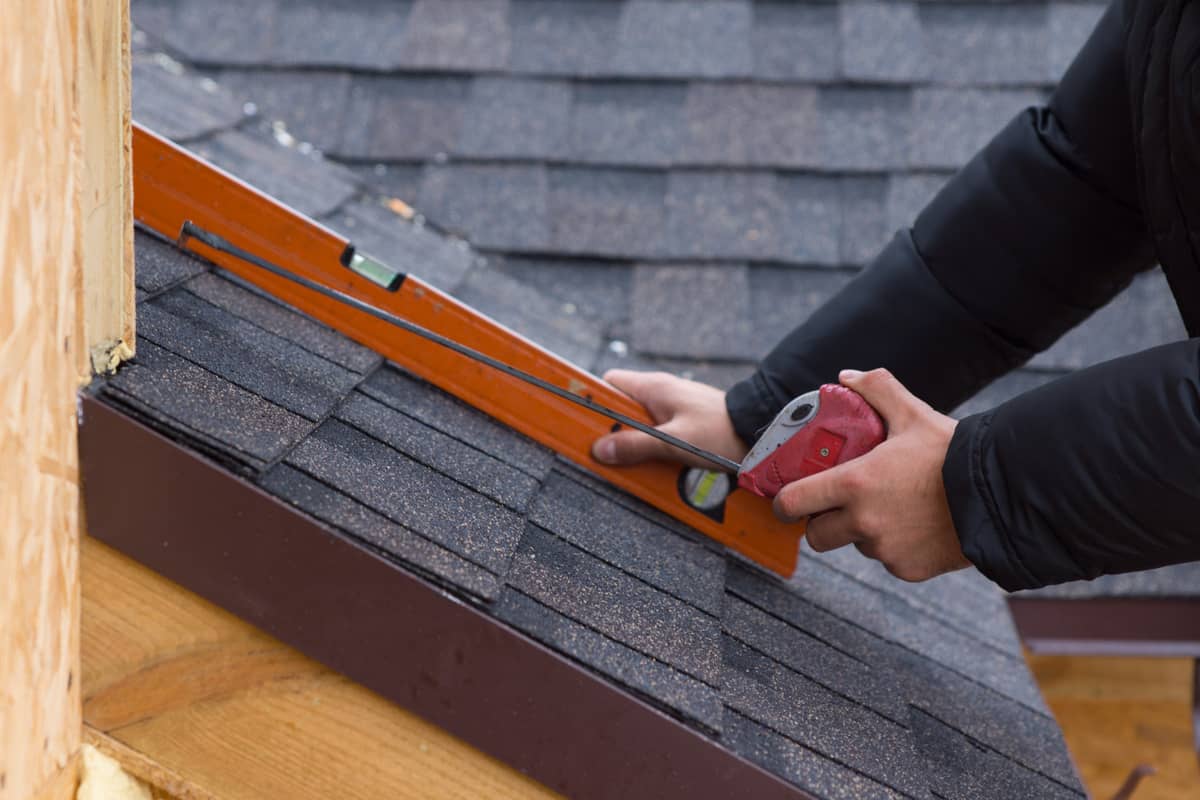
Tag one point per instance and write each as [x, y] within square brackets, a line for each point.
[165, 783]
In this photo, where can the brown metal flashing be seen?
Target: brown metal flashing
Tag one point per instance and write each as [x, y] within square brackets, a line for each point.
[388, 629]
[1151, 626]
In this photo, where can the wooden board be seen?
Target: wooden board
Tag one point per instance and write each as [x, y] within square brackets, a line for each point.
[1119, 712]
[40, 341]
[107, 185]
[236, 714]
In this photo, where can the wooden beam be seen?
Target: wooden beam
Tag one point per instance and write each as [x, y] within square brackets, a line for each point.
[1119, 712]
[66, 95]
[107, 196]
[188, 690]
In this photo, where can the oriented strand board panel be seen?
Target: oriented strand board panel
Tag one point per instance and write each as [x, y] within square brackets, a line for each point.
[1119, 712]
[237, 714]
[40, 341]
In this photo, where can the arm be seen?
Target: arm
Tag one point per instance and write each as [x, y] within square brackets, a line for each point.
[1095, 473]
[1040, 229]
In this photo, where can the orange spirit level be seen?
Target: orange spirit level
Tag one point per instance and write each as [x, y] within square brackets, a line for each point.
[173, 188]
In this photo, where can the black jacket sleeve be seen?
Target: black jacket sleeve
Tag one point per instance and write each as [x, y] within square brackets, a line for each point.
[1040, 229]
[1095, 473]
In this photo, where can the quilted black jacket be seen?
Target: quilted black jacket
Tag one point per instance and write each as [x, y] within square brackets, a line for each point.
[1098, 472]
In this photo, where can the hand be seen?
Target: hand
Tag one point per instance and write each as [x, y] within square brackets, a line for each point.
[694, 412]
[889, 503]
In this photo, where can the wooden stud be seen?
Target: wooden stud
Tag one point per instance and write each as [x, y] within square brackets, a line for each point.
[108, 285]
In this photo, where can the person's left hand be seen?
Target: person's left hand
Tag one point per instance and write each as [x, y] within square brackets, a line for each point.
[889, 503]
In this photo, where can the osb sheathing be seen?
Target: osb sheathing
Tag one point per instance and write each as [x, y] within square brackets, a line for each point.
[41, 360]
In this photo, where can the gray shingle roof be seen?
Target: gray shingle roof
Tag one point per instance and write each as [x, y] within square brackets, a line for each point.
[613, 136]
[842, 680]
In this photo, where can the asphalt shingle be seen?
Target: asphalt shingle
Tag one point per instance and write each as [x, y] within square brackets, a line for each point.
[550, 37]
[657, 555]
[992, 44]
[623, 123]
[761, 216]
[312, 105]
[209, 107]
[798, 764]
[552, 324]
[403, 119]
[865, 129]
[444, 413]
[457, 35]
[959, 766]
[303, 181]
[881, 42]
[691, 310]
[606, 212]
[663, 38]
[343, 512]
[410, 494]
[494, 205]
[783, 297]
[951, 125]
[240, 299]
[447, 455]
[245, 354]
[885, 617]
[512, 118]
[751, 124]
[364, 35]
[600, 290]
[864, 229]
[907, 194]
[224, 31]
[788, 703]
[795, 41]
[223, 418]
[685, 695]
[616, 604]
[158, 265]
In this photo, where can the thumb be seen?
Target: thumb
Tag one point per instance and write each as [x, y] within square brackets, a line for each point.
[629, 447]
[884, 393]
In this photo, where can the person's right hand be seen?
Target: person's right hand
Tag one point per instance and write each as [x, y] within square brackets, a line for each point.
[694, 412]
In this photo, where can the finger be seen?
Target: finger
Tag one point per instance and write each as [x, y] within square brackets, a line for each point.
[884, 393]
[830, 531]
[630, 447]
[814, 494]
[644, 387]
